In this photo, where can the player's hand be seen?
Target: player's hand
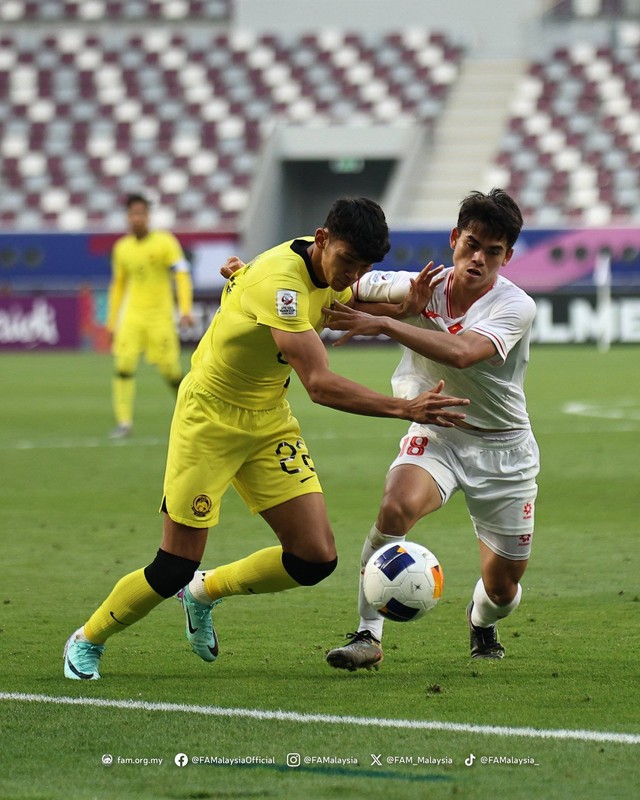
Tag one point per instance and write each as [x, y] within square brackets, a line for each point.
[231, 265]
[434, 408]
[186, 321]
[421, 291]
[344, 318]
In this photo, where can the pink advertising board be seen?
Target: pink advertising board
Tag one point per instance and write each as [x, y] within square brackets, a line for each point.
[43, 322]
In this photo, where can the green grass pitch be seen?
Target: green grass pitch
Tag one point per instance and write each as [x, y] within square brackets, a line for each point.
[79, 511]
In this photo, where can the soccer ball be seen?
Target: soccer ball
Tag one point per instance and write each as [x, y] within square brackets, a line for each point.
[403, 581]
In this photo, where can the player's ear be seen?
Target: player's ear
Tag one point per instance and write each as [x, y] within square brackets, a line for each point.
[455, 233]
[507, 258]
[321, 238]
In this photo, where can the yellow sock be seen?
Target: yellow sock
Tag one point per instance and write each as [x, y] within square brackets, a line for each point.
[260, 573]
[123, 393]
[130, 600]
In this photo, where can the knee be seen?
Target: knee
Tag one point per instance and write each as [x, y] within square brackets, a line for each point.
[171, 373]
[394, 517]
[308, 573]
[167, 574]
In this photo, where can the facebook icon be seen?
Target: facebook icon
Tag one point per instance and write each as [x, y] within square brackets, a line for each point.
[181, 760]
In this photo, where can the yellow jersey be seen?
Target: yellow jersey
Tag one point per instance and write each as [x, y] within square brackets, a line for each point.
[142, 275]
[237, 359]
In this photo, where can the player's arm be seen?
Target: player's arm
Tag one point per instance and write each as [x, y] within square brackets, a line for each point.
[117, 288]
[460, 351]
[181, 271]
[184, 291]
[406, 295]
[306, 354]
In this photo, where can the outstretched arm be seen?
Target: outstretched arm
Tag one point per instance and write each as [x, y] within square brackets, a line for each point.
[459, 351]
[306, 354]
[413, 302]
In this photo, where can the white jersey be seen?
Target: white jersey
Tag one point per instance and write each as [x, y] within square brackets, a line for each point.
[495, 387]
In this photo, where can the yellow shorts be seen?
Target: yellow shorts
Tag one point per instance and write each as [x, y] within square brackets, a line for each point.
[157, 339]
[213, 444]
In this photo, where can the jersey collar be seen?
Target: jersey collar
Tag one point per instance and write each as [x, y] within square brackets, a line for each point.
[301, 248]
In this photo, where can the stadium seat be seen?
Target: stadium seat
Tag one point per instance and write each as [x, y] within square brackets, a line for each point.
[577, 110]
[99, 111]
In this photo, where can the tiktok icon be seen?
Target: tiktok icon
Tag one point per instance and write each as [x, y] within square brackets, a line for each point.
[469, 761]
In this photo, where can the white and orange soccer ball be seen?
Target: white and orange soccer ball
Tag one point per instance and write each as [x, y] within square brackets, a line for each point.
[403, 581]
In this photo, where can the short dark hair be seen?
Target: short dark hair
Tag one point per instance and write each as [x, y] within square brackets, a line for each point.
[136, 198]
[496, 212]
[360, 222]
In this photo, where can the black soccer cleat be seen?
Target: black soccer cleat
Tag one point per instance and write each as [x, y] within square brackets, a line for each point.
[484, 641]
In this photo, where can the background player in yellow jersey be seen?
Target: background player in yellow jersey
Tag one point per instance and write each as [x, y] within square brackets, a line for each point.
[141, 313]
[233, 425]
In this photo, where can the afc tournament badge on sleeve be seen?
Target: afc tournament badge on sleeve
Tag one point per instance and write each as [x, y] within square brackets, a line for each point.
[287, 303]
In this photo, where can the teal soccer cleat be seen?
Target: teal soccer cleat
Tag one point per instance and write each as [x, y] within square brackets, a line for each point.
[200, 632]
[81, 658]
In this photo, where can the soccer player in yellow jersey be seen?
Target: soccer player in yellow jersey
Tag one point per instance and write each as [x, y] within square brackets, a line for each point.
[141, 313]
[233, 425]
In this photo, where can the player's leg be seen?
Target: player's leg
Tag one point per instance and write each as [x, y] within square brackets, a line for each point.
[132, 598]
[183, 539]
[164, 351]
[305, 557]
[410, 493]
[207, 446]
[497, 593]
[172, 374]
[500, 490]
[279, 482]
[277, 479]
[306, 554]
[127, 346]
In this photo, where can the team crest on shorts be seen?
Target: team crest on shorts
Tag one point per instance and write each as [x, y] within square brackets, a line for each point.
[287, 303]
[201, 505]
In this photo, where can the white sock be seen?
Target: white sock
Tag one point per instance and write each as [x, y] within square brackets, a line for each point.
[370, 620]
[485, 612]
[196, 587]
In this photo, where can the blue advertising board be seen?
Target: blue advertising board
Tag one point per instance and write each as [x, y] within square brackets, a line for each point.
[61, 261]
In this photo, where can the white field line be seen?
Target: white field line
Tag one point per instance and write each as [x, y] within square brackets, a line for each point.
[82, 444]
[155, 441]
[330, 719]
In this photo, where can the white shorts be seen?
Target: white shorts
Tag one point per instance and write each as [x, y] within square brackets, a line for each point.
[495, 471]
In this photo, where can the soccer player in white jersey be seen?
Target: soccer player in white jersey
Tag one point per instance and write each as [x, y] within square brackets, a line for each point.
[470, 328]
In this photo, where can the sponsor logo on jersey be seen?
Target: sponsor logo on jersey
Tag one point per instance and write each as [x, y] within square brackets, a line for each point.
[287, 303]
[527, 511]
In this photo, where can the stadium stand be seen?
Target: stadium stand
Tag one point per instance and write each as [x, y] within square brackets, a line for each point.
[51, 11]
[572, 148]
[183, 107]
[90, 113]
